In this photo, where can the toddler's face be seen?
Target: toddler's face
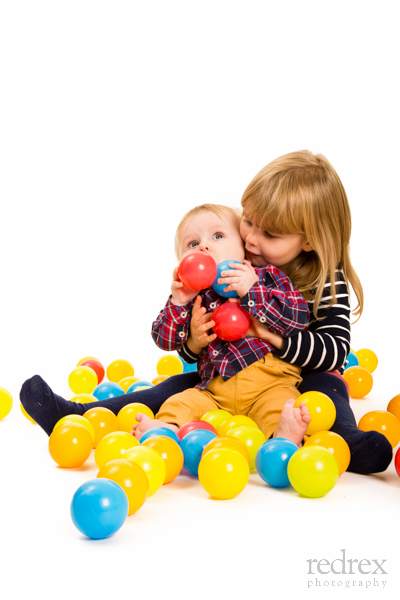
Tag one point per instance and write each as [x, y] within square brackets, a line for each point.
[208, 232]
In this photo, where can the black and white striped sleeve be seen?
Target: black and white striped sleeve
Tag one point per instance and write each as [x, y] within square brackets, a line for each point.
[325, 344]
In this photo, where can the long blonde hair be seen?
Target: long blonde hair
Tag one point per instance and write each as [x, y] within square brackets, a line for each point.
[301, 193]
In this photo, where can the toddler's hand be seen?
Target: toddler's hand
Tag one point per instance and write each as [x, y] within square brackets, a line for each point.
[200, 323]
[261, 331]
[181, 294]
[241, 279]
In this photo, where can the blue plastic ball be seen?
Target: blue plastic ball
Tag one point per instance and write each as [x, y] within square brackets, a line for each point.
[192, 446]
[160, 431]
[107, 389]
[352, 360]
[219, 287]
[272, 460]
[138, 384]
[188, 367]
[99, 508]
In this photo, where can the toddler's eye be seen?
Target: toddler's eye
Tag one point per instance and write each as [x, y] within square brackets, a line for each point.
[218, 236]
[193, 244]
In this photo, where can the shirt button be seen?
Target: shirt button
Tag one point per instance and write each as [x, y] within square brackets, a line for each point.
[262, 320]
[181, 334]
[213, 305]
[215, 352]
[183, 314]
[251, 303]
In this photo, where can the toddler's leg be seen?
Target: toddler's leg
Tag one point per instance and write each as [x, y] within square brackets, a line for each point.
[46, 408]
[370, 451]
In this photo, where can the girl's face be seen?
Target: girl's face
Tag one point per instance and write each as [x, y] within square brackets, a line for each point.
[265, 247]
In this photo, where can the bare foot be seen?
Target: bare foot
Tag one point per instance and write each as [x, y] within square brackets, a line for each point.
[145, 423]
[293, 422]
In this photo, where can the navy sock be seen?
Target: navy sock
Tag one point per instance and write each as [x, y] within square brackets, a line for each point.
[46, 408]
[370, 451]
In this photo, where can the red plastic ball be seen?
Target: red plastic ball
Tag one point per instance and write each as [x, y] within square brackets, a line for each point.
[195, 424]
[96, 366]
[397, 462]
[197, 270]
[231, 321]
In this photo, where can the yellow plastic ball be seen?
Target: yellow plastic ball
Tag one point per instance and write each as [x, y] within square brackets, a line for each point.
[126, 382]
[76, 419]
[127, 415]
[359, 380]
[223, 473]
[112, 446]
[84, 398]
[104, 421]
[70, 445]
[313, 471]
[26, 415]
[336, 445]
[82, 380]
[252, 438]
[384, 422]
[236, 421]
[229, 442]
[159, 379]
[171, 453]
[6, 402]
[87, 358]
[394, 406]
[367, 359]
[169, 365]
[216, 417]
[151, 463]
[322, 411]
[131, 478]
[119, 369]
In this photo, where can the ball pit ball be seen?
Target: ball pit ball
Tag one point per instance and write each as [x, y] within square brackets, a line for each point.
[169, 365]
[171, 453]
[367, 359]
[112, 446]
[96, 366]
[336, 445]
[87, 358]
[131, 478]
[216, 417]
[26, 415]
[151, 463]
[394, 406]
[219, 287]
[313, 471]
[6, 402]
[231, 443]
[384, 422]
[188, 367]
[104, 421]
[159, 431]
[76, 419]
[322, 411]
[236, 421]
[138, 385]
[197, 270]
[360, 381]
[99, 508]
[126, 382]
[84, 398]
[127, 415]
[159, 379]
[397, 462]
[223, 473]
[231, 321]
[352, 360]
[192, 445]
[107, 389]
[70, 445]
[82, 380]
[252, 438]
[119, 369]
[272, 461]
[195, 424]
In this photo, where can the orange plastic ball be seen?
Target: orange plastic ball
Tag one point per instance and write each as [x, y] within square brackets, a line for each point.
[131, 478]
[159, 379]
[229, 442]
[359, 380]
[126, 382]
[367, 359]
[170, 452]
[336, 446]
[394, 406]
[26, 415]
[70, 445]
[119, 369]
[322, 411]
[236, 421]
[103, 420]
[84, 398]
[76, 419]
[384, 422]
[127, 414]
[112, 446]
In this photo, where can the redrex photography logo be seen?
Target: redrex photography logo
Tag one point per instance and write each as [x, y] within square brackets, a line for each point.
[347, 572]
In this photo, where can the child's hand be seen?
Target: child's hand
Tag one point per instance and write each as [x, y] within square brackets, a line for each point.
[200, 323]
[261, 331]
[241, 279]
[181, 294]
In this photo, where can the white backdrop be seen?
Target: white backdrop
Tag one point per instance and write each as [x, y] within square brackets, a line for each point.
[117, 117]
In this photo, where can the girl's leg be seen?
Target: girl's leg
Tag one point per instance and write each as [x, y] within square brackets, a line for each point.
[370, 451]
[46, 408]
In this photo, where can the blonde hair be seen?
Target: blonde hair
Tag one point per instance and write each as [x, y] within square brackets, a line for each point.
[218, 209]
[301, 193]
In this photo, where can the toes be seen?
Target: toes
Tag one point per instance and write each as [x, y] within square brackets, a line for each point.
[290, 403]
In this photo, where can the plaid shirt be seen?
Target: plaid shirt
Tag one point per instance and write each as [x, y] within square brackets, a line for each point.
[273, 300]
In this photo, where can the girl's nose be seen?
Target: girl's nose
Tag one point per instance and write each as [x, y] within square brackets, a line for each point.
[251, 239]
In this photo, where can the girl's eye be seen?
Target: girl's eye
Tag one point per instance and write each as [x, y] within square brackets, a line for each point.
[218, 236]
[267, 235]
[193, 244]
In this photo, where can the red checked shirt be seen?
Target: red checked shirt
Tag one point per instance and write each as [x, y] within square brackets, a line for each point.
[274, 301]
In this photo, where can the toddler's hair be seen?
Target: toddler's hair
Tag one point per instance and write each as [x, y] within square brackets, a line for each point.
[219, 209]
[301, 193]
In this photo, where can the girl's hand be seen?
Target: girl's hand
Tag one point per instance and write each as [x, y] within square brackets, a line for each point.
[261, 331]
[181, 294]
[241, 279]
[200, 324]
